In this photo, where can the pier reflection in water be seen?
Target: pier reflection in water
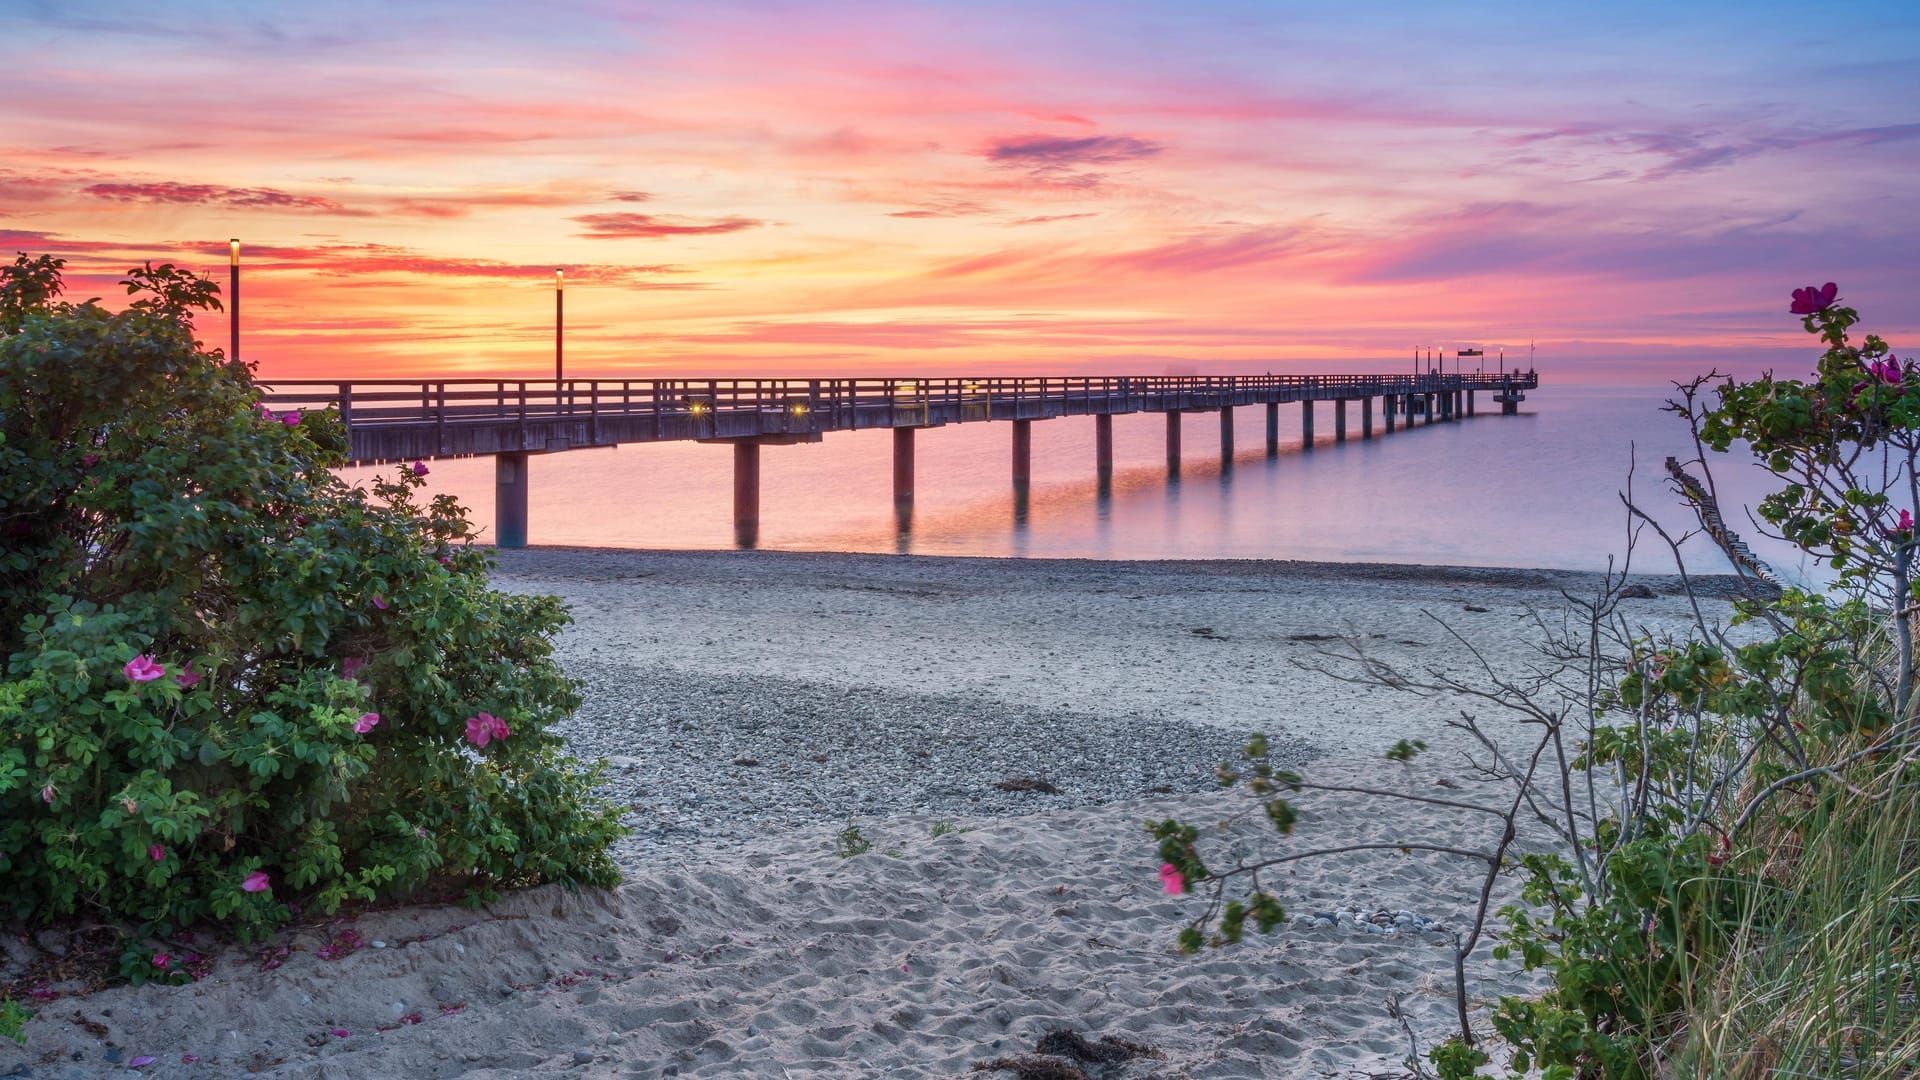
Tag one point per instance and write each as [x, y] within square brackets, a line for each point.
[1536, 489]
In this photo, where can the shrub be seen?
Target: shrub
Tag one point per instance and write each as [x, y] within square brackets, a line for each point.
[1727, 887]
[232, 682]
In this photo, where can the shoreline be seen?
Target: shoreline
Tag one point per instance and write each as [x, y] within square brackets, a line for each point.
[1714, 586]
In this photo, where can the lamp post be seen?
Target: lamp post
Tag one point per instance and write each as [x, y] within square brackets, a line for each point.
[233, 298]
[559, 324]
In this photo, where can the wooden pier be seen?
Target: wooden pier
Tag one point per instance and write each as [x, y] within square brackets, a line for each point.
[408, 419]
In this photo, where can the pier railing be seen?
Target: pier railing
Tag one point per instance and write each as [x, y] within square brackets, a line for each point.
[393, 418]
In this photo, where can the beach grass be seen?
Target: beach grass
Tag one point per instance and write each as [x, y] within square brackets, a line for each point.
[1818, 980]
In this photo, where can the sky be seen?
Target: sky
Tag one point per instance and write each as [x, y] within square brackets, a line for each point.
[739, 189]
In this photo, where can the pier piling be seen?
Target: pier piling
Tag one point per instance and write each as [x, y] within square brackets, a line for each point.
[1273, 429]
[1386, 411]
[903, 473]
[1022, 456]
[1306, 424]
[1226, 437]
[1173, 440]
[1339, 420]
[746, 493]
[1366, 418]
[510, 500]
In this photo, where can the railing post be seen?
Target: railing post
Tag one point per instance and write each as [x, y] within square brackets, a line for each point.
[440, 416]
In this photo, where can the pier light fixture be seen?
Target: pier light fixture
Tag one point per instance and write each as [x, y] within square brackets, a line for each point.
[233, 299]
[797, 408]
[698, 407]
[559, 325]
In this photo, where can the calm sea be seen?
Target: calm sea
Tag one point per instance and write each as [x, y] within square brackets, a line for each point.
[1540, 489]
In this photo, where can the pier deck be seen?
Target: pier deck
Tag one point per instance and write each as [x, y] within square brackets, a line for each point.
[405, 419]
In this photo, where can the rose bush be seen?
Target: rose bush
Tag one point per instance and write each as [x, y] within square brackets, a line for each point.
[232, 682]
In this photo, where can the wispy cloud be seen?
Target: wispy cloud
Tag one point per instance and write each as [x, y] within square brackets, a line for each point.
[623, 226]
[257, 198]
[1043, 219]
[941, 208]
[1055, 152]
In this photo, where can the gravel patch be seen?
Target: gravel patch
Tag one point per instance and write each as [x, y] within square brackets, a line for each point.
[704, 762]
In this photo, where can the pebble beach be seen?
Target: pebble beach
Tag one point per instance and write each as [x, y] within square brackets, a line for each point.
[888, 819]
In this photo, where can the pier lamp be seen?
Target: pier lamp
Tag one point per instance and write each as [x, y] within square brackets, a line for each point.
[233, 298]
[559, 324]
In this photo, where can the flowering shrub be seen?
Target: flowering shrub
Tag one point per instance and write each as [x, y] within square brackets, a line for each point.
[1731, 813]
[232, 682]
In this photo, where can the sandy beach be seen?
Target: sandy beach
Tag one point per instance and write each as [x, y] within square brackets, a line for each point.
[756, 705]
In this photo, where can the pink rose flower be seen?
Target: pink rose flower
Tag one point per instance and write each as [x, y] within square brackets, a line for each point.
[291, 419]
[142, 668]
[350, 667]
[161, 960]
[365, 723]
[419, 468]
[46, 794]
[380, 602]
[1810, 300]
[484, 728]
[256, 882]
[89, 460]
[1172, 880]
[188, 678]
[157, 852]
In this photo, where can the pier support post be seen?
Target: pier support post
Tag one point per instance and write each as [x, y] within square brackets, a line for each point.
[1366, 418]
[1273, 429]
[1173, 440]
[510, 500]
[746, 493]
[1339, 420]
[1459, 404]
[1226, 436]
[1470, 394]
[1022, 456]
[1429, 400]
[1103, 449]
[1306, 424]
[903, 473]
[1386, 410]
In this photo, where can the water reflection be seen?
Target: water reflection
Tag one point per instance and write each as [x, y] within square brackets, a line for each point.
[1535, 489]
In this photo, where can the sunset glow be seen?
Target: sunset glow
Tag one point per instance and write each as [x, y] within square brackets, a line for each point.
[739, 189]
